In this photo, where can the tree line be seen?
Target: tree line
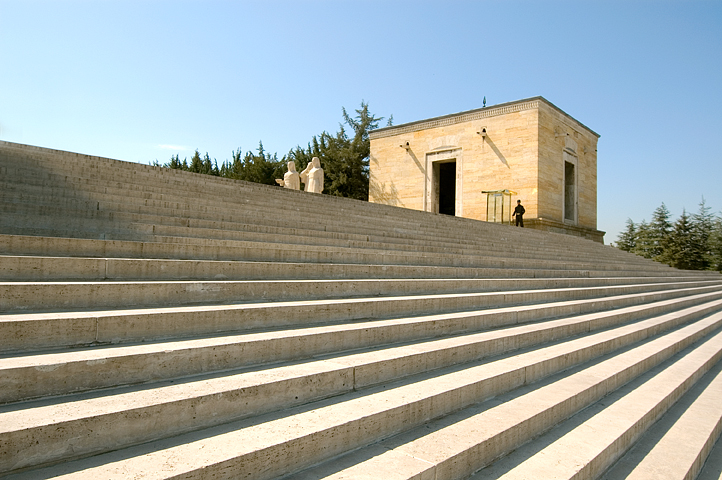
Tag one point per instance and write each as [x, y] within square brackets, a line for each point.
[344, 158]
[692, 242]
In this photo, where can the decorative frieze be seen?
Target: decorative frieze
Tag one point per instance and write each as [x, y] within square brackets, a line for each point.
[454, 119]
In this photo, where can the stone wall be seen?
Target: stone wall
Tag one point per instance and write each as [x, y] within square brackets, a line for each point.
[561, 138]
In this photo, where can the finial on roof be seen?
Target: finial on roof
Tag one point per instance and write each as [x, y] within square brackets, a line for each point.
[484, 102]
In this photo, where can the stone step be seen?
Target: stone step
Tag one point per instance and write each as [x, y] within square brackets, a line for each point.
[205, 183]
[377, 209]
[49, 165]
[375, 216]
[516, 250]
[262, 222]
[292, 234]
[43, 268]
[52, 218]
[205, 200]
[163, 324]
[173, 247]
[403, 255]
[33, 331]
[408, 243]
[279, 442]
[179, 202]
[680, 442]
[611, 250]
[208, 232]
[712, 468]
[20, 297]
[23, 268]
[179, 248]
[484, 257]
[456, 446]
[135, 170]
[268, 213]
[208, 199]
[489, 226]
[589, 449]
[33, 375]
[645, 439]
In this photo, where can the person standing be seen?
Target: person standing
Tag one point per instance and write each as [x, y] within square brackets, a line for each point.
[519, 214]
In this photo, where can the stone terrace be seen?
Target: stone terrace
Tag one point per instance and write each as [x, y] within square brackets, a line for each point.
[159, 324]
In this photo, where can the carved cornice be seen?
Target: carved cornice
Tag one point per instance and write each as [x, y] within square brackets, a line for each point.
[468, 116]
[454, 119]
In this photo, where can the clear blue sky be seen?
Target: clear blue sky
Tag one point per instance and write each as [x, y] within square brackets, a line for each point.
[143, 80]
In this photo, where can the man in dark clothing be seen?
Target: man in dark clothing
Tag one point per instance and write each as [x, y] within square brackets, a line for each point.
[519, 214]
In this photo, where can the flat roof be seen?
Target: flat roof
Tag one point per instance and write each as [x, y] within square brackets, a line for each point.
[469, 115]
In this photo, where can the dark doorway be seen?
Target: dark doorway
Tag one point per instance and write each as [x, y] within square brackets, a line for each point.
[447, 188]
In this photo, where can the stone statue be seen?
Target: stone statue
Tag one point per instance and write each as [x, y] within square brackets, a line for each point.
[291, 179]
[312, 176]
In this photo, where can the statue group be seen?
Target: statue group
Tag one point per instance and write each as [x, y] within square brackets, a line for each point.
[311, 176]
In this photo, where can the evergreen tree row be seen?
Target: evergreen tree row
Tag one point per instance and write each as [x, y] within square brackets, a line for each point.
[692, 242]
[344, 158]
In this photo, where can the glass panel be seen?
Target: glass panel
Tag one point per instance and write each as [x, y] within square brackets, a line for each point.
[495, 207]
[498, 206]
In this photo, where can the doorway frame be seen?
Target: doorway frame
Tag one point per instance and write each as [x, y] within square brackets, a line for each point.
[573, 160]
[433, 159]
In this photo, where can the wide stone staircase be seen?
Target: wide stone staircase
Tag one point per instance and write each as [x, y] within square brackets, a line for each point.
[159, 324]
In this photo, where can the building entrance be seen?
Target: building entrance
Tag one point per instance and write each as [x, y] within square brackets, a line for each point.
[447, 188]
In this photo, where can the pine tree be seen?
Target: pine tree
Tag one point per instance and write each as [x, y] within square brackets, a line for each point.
[207, 166]
[680, 245]
[261, 167]
[235, 168]
[702, 225]
[716, 245]
[644, 241]
[692, 242]
[345, 160]
[174, 163]
[196, 165]
[627, 239]
[659, 231]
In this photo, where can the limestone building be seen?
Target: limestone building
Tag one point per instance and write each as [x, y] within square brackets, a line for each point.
[476, 164]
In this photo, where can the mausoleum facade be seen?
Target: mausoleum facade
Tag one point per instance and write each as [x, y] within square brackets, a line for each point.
[477, 164]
